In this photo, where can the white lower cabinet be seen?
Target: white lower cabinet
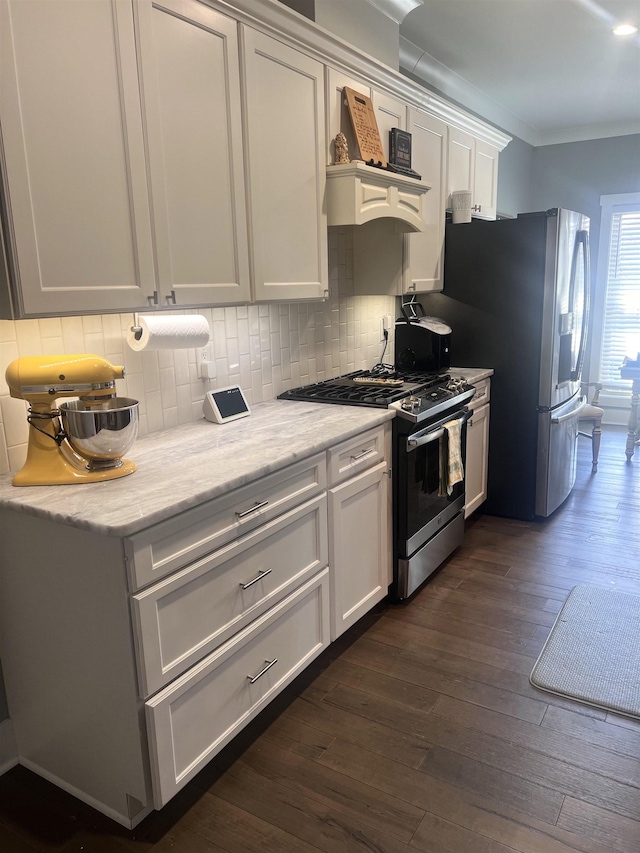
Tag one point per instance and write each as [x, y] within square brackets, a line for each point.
[193, 718]
[477, 450]
[359, 545]
[359, 528]
[174, 638]
[187, 615]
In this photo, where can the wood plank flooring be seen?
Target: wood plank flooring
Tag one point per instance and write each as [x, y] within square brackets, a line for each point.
[418, 730]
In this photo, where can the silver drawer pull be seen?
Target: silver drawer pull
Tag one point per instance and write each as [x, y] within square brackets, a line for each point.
[364, 453]
[269, 664]
[254, 508]
[258, 577]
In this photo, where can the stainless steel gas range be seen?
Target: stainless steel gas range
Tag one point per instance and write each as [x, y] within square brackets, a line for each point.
[428, 430]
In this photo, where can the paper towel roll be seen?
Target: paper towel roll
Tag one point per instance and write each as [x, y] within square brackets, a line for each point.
[169, 332]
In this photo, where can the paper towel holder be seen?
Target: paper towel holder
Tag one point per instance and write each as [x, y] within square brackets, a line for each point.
[136, 328]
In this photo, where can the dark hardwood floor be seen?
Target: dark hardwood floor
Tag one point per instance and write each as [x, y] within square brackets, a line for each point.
[419, 730]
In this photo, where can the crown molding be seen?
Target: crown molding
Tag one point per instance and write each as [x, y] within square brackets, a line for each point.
[397, 10]
[278, 20]
[415, 61]
[419, 64]
[589, 132]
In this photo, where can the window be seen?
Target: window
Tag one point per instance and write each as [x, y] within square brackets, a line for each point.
[616, 324]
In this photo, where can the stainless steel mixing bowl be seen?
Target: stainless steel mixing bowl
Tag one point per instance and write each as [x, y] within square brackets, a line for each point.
[101, 433]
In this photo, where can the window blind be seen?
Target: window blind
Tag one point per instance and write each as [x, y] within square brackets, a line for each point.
[621, 331]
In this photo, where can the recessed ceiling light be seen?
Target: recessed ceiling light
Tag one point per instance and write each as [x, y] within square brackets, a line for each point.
[625, 30]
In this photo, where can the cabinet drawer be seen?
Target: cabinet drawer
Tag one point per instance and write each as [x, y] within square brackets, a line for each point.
[193, 718]
[173, 544]
[482, 395]
[358, 453]
[184, 617]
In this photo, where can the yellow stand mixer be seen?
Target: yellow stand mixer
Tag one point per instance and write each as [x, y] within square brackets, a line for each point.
[81, 441]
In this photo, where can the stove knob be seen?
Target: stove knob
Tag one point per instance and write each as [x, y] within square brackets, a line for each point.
[410, 404]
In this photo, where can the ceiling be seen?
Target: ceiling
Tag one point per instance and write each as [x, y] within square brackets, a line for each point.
[545, 70]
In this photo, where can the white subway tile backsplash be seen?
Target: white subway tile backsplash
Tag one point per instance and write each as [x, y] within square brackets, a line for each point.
[17, 456]
[52, 346]
[14, 420]
[50, 327]
[92, 324]
[28, 337]
[4, 456]
[72, 334]
[7, 332]
[150, 372]
[155, 414]
[266, 348]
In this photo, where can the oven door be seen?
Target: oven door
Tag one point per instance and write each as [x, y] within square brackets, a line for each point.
[422, 505]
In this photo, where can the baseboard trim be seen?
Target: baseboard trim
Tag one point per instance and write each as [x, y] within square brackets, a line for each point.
[8, 749]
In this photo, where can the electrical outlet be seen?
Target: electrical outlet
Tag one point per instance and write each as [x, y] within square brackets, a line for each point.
[385, 327]
[208, 369]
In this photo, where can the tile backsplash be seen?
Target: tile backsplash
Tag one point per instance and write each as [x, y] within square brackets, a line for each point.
[264, 348]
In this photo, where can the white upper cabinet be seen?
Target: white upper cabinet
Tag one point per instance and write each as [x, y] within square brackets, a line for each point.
[424, 252]
[285, 144]
[74, 172]
[486, 180]
[461, 156]
[473, 165]
[176, 152]
[191, 85]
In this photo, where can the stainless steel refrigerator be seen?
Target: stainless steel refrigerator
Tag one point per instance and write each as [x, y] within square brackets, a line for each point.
[516, 295]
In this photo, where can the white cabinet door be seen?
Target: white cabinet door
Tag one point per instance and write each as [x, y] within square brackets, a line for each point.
[477, 459]
[74, 167]
[485, 181]
[461, 154]
[424, 252]
[285, 144]
[473, 165]
[191, 79]
[359, 545]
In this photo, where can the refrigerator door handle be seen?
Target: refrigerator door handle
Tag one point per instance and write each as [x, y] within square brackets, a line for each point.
[582, 238]
[572, 414]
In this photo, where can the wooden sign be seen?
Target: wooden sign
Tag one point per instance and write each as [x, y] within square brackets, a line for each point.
[365, 127]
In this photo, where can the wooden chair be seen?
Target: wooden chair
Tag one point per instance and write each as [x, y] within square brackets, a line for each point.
[592, 414]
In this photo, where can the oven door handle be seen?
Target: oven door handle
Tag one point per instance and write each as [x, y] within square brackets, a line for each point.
[425, 438]
[419, 439]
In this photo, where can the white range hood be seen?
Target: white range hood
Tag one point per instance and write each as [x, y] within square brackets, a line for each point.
[357, 193]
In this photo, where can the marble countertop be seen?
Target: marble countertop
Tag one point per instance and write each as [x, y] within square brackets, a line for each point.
[183, 467]
[471, 374]
[186, 466]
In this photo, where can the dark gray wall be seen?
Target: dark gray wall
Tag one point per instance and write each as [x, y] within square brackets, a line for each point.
[515, 175]
[305, 7]
[574, 175]
[4, 712]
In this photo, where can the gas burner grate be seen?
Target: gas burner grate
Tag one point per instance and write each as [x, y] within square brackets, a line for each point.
[351, 389]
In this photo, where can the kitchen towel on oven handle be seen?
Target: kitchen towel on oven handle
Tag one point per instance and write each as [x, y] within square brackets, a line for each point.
[451, 467]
